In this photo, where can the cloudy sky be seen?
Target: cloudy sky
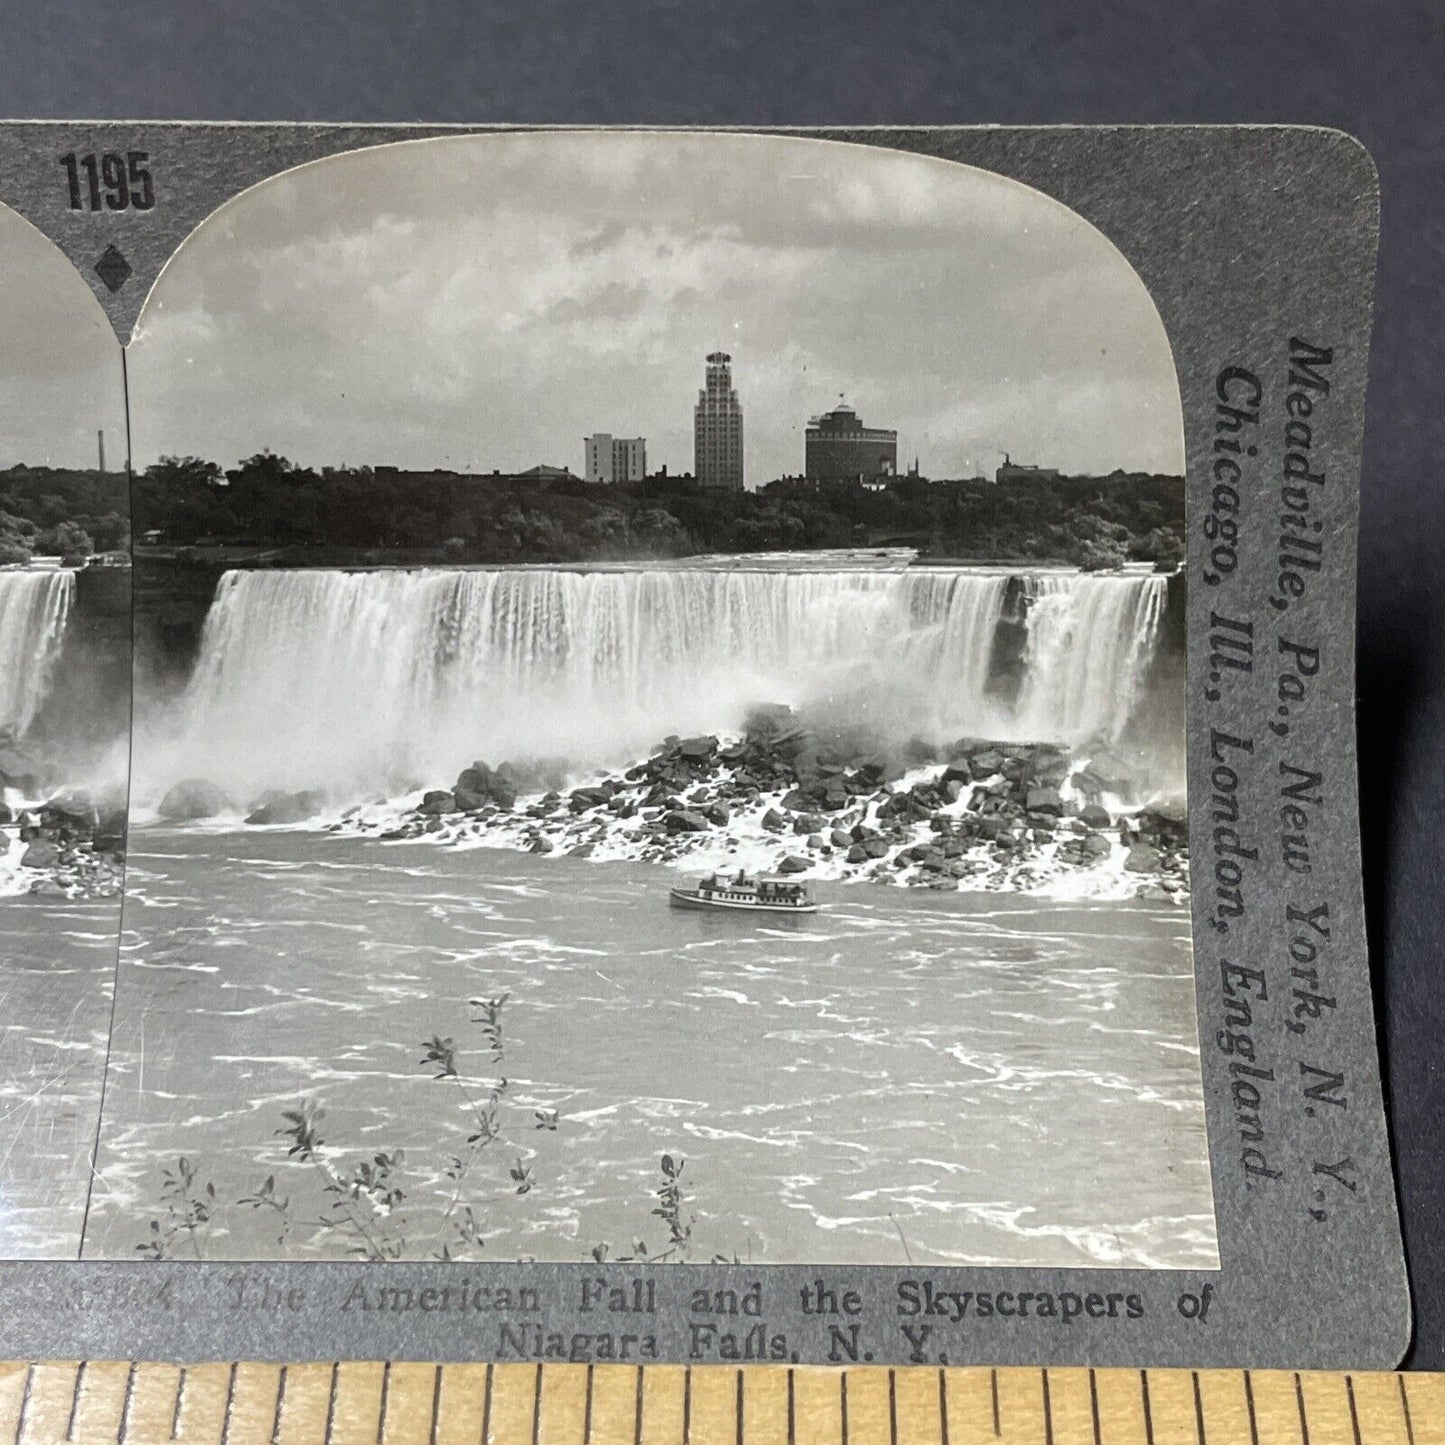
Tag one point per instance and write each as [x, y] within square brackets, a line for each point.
[485, 302]
[60, 378]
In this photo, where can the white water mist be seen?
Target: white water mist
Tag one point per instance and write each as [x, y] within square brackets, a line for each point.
[367, 682]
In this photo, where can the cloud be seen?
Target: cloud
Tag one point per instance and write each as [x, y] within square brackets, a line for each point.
[485, 301]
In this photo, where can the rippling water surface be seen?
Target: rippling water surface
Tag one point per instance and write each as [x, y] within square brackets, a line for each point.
[57, 960]
[906, 1075]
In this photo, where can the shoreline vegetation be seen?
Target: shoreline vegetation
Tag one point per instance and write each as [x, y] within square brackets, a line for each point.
[340, 515]
[784, 797]
[388, 1206]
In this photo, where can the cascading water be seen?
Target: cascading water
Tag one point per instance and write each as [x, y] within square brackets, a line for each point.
[366, 682]
[1090, 641]
[34, 606]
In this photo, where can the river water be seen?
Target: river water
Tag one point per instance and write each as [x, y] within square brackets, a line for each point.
[57, 964]
[907, 1075]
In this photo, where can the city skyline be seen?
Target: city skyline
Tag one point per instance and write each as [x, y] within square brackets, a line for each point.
[478, 303]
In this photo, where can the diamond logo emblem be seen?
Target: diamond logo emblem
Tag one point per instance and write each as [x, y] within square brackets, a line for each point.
[113, 269]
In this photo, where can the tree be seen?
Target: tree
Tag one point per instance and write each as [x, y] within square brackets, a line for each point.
[71, 540]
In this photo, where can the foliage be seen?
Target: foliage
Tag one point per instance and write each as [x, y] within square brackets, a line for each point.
[62, 512]
[369, 1204]
[267, 501]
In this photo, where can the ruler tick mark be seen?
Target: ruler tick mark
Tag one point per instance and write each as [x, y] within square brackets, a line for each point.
[25, 1403]
[176, 1411]
[687, 1405]
[1148, 1410]
[537, 1407]
[436, 1406]
[331, 1403]
[385, 1401]
[892, 1408]
[993, 1387]
[1094, 1403]
[1299, 1399]
[738, 1406]
[1405, 1410]
[792, 1415]
[125, 1406]
[230, 1401]
[943, 1407]
[275, 1418]
[1249, 1401]
[843, 1401]
[1048, 1412]
[1354, 1413]
[1198, 1408]
[587, 1410]
[75, 1401]
[487, 1408]
[637, 1410]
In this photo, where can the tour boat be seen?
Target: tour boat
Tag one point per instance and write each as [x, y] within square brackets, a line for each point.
[742, 891]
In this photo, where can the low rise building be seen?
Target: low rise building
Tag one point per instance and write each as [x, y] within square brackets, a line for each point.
[839, 448]
[613, 459]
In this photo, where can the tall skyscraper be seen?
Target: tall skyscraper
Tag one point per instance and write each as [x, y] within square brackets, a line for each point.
[614, 459]
[718, 428]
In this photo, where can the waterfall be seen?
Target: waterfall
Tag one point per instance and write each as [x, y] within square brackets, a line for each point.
[34, 605]
[365, 682]
[1090, 641]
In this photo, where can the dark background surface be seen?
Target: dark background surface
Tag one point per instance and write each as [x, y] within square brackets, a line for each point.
[1375, 69]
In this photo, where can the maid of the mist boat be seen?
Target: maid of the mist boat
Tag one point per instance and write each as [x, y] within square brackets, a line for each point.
[743, 892]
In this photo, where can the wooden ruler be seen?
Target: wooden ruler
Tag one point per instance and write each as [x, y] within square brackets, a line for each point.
[96, 1403]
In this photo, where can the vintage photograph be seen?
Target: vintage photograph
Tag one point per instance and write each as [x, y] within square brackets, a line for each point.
[65, 671]
[659, 722]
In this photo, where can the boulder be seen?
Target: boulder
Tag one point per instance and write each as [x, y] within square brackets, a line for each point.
[1044, 800]
[1091, 815]
[839, 839]
[793, 864]
[807, 823]
[953, 789]
[1143, 858]
[1096, 845]
[986, 763]
[815, 840]
[194, 798]
[697, 750]
[584, 798]
[40, 854]
[72, 806]
[858, 854]
[875, 847]
[774, 821]
[685, 820]
[110, 831]
[1169, 821]
[436, 803]
[280, 808]
[540, 844]
[767, 719]
[718, 815]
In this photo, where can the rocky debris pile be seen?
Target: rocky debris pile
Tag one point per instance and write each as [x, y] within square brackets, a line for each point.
[975, 813]
[73, 843]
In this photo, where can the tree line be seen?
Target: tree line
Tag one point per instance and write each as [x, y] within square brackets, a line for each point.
[370, 513]
[60, 512]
